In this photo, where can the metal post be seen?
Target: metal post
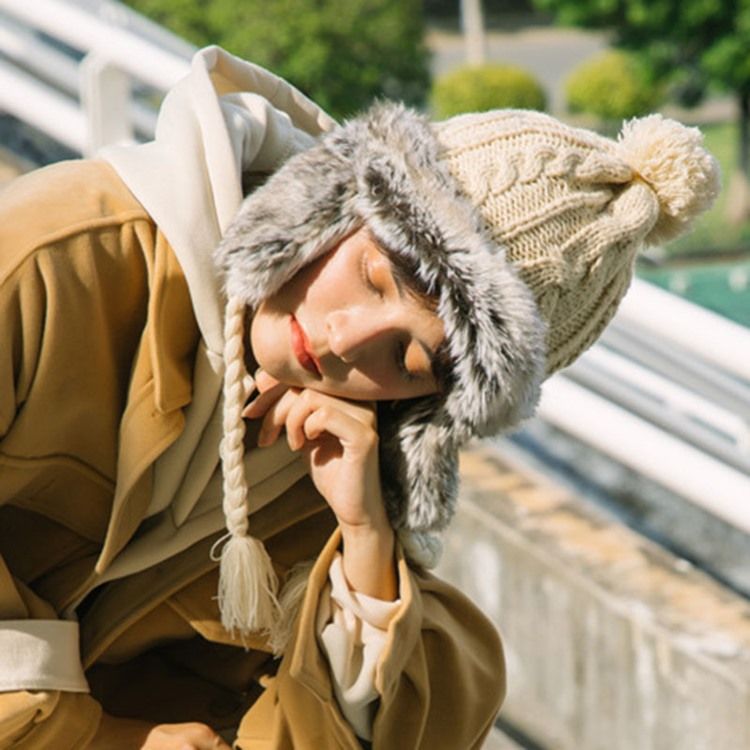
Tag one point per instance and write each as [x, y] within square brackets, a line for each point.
[472, 22]
[105, 98]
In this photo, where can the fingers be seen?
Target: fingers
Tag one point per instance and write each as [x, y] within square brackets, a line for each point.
[352, 434]
[275, 418]
[348, 421]
[261, 403]
[187, 736]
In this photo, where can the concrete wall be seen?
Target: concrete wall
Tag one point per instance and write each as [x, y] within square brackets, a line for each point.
[612, 643]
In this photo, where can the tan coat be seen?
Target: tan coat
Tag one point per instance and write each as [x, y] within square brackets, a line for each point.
[96, 347]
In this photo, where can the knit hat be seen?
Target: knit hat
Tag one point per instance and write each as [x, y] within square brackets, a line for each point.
[524, 229]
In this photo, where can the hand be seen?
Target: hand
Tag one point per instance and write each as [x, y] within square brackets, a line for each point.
[133, 734]
[339, 440]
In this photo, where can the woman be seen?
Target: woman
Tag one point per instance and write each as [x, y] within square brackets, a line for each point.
[396, 288]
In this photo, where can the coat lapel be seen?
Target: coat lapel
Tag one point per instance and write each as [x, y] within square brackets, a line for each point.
[160, 386]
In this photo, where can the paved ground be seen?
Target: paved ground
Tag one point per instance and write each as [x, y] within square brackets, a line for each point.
[499, 741]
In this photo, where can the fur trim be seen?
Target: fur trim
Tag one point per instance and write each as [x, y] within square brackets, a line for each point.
[383, 169]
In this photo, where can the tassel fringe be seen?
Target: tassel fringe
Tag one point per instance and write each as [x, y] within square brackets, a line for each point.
[247, 586]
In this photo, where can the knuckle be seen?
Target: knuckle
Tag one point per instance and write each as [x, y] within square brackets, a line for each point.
[203, 733]
[325, 413]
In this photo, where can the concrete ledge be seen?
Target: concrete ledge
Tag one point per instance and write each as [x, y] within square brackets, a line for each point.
[497, 740]
[611, 641]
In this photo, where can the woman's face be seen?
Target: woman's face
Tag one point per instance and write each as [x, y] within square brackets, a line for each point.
[342, 325]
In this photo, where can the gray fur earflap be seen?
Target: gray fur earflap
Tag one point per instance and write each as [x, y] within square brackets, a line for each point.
[383, 169]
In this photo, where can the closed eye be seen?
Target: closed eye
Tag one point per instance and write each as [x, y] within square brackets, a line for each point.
[366, 276]
[401, 363]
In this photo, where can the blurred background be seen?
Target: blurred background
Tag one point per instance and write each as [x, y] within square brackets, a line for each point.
[609, 538]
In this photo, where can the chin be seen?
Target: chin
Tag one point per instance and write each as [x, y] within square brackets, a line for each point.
[265, 343]
[269, 348]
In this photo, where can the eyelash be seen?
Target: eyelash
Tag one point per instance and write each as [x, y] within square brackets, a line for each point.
[402, 364]
[401, 353]
[366, 276]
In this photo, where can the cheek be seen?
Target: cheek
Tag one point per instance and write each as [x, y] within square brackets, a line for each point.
[256, 335]
[265, 339]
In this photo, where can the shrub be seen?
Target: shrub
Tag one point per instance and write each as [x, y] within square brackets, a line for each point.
[483, 87]
[612, 86]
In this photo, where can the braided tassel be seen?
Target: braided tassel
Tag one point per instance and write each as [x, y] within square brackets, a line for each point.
[247, 580]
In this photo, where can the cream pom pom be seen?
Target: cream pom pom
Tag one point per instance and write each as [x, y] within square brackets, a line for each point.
[671, 159]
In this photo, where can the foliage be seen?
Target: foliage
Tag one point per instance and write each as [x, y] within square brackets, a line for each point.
[341, 53]
[690, 44]
[483, 87]
[452, 8]
[705, 37]
[612, 86]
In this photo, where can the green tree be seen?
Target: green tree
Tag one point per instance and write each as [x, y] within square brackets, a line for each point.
[690, 44]
[341, 53]
[611, 86]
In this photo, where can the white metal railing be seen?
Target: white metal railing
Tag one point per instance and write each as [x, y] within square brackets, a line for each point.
[79, 87]
[665, 392]
[712, 338]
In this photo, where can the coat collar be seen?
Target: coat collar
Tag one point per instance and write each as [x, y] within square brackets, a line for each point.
[305, 658]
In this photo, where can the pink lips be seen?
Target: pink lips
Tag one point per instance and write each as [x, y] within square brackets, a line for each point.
[301, 347]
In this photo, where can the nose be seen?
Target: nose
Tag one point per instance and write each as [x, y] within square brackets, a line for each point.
[354, 332]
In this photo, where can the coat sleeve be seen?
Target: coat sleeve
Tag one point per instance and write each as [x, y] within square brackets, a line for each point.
[440, 676]
[353, 631]
[38, 652]
[53, 446]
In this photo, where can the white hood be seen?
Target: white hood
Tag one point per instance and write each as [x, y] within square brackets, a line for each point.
[226, 117]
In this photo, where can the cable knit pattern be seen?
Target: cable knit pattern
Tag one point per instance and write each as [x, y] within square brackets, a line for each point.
[573, 208]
